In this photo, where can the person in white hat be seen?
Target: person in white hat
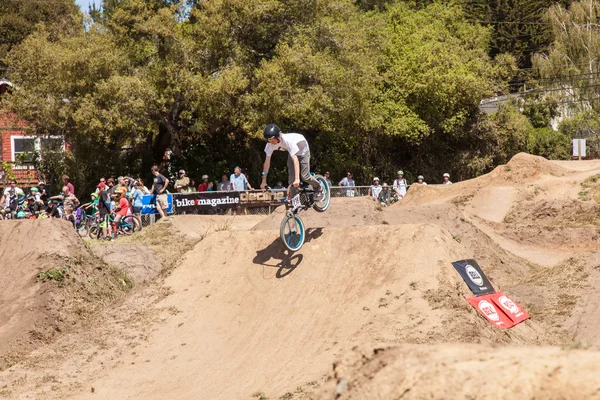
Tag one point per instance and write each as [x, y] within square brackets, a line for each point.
[446, 179]
[182, 185]
[375, 188]
[203, 186]
[400, 185]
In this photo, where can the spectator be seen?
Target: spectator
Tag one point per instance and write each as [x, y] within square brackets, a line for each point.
[327, 177]
[143, 187]
[238, 180]
[375, 188]
[52, 209]
[400, 185]
[159, 188]
[138, 195]
[225, 185]
[182, 185]
[122, 208]
[13, 196]
[110, 183]
[420, 180]
[43, 192]
[384, 196]
[67, 182]
[103, 208]
[70, 202]
[102, 180]
[203, 186]
[128, 183]
[348, 182]
[93, 204]
[279, 185]
[193, 185]
[211, 187]
[122, 185]
[446, 179]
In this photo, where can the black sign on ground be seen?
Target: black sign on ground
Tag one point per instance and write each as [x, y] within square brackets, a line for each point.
[191, 202]
[474, 277]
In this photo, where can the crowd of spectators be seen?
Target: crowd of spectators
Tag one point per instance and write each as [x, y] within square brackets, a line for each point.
[110, 192]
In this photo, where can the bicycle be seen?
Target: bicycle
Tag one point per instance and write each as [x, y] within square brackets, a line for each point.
[127, 225]
[291, 230]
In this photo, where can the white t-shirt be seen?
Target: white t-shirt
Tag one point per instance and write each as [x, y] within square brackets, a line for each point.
[447, 183]
[18, 192]
[375, 190]
[294, 143]
[400, 184]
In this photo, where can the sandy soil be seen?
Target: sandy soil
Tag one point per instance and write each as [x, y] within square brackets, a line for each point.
[369, 308]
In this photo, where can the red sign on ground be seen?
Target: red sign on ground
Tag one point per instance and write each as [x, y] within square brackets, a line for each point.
[485, 305]
[511, 308]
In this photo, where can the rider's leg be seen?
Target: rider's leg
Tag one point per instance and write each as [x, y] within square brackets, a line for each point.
[305, 175]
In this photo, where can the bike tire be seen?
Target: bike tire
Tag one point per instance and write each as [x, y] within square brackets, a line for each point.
[137, 223]
[291, 232]
[132, 225]
[323, 205]
[93, 231]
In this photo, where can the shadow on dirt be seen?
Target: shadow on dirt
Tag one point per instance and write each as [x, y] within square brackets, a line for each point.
[288, 261]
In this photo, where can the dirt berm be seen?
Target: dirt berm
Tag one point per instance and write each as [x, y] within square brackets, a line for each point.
[50, 284]
[240, 318]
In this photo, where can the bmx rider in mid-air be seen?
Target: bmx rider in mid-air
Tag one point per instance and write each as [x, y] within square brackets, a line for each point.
[298, 163]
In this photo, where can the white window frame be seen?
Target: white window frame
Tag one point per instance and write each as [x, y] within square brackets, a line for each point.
[36, 145]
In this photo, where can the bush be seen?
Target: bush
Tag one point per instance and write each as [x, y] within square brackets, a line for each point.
[548, 143]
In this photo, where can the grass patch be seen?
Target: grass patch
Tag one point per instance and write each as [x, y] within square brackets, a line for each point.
[55, 274]
[590, 189]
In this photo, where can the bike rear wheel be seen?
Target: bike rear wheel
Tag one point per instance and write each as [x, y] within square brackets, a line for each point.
[130, 224]
[323, 204]
[292, 232]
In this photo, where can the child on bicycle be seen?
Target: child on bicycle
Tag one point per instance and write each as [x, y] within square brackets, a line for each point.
[122, 208]
[298, 159]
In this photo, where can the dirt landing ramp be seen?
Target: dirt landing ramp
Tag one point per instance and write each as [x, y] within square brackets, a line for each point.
[249, 317]
[464, 372]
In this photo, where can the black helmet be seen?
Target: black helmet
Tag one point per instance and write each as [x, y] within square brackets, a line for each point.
[271, 131]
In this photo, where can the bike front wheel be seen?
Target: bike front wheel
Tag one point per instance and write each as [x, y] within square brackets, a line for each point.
[323, 204]
[292, 232]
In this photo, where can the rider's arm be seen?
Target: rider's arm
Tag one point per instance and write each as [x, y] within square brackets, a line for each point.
[296, 169]
[266, 167]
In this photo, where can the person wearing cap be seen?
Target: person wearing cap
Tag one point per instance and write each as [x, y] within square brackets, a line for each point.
[400, 185]
[420, 180]
[93, 204]
[182, 185]
[67, 182]
[375, 188]
[12, 196]
[203, 186]
[446, 179]
[384, 196]
[159, 189]
[103, 208]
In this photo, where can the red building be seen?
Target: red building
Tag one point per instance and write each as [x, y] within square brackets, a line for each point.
[19, 144]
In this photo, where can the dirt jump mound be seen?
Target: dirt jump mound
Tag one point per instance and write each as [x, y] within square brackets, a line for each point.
[45, 287]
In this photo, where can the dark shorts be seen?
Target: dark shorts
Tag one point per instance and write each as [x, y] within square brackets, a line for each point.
[137, 210]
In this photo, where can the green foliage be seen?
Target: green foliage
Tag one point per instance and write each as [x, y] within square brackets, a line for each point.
[56, 274]
[548, 143]
[373, 85]
[18, 19]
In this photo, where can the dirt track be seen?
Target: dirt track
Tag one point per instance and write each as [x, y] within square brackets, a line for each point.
[237, 316]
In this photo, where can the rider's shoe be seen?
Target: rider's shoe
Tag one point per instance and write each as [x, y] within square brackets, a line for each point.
[318, 196]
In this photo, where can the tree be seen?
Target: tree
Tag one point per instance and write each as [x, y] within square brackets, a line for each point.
[19, 18]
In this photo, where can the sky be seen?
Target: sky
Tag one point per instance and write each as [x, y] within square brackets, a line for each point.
[84, 4]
